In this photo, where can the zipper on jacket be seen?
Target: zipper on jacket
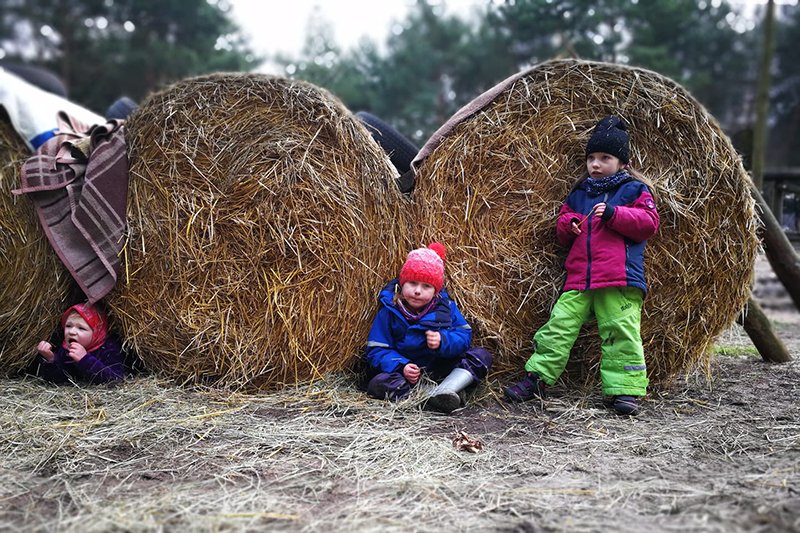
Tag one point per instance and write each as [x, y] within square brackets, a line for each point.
[588, 252]
[627, 258]
[589, 245]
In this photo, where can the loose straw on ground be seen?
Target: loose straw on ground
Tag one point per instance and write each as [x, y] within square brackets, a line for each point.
[492, 187]
[149, 455]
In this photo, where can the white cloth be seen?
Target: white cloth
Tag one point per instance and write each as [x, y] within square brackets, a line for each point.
[33, 111]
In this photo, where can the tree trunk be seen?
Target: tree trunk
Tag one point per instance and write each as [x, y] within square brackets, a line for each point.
[780, 253]
[762, 334]
[762, 97]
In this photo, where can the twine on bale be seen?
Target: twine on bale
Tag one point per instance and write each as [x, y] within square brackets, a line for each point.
[493, 182]
[33, 282]
[263, 221]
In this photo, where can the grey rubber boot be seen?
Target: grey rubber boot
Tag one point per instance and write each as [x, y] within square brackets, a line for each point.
[445, 398]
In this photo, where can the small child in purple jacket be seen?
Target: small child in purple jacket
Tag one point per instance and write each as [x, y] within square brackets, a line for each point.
[605, 222]
[87, 353]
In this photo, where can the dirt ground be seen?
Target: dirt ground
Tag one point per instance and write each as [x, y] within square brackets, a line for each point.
[706, 455]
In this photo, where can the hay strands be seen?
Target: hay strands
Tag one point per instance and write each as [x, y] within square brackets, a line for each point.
[531, 137]
[243, 218]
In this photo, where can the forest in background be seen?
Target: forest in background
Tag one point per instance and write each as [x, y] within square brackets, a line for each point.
[421, 73]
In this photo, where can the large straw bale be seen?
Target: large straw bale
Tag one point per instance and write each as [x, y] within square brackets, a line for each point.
[492, 189]
[263, 221]
[33, 283]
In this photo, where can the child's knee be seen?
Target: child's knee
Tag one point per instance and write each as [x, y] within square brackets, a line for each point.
[388, 386]
[478, 360]
[481, 355]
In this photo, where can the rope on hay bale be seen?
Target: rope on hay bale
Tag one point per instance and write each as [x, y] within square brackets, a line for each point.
[33, 283]
[494, 179]
[263, 220]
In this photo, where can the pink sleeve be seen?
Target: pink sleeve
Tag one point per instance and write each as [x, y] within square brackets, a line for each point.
[637, 221]
[565, 217]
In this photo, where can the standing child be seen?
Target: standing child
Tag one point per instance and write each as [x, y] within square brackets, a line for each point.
[605, 222]
[87, 353]
[419, 329]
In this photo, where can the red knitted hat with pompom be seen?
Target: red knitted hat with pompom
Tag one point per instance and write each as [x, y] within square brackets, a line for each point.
[425, 265]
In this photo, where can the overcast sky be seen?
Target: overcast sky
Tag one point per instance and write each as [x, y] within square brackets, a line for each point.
[280, 25]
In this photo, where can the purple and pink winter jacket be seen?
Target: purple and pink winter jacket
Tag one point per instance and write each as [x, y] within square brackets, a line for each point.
[106, 364]
[609, 252]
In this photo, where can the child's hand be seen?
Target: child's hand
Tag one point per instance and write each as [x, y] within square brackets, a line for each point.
[45, 349]
[434, 339]
[76, 351]
[411, 373]
[599, 209]
[574, 228]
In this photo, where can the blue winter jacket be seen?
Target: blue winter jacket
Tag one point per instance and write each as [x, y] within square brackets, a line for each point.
[393, 341]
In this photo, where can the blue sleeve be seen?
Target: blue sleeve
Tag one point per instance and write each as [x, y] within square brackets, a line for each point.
[456, 339]
[381, 353]
[105, 364]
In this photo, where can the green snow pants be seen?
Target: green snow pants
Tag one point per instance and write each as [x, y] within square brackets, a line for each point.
[618, 311]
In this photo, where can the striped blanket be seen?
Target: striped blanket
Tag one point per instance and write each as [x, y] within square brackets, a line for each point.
[78, 183]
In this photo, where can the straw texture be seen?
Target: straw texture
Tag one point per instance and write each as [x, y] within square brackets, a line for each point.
[33, 283]
[263, 221]
[492, 188]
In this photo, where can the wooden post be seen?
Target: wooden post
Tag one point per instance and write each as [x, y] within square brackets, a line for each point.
[776, 201]
[760, 331]
[779, 250]
[769, 192]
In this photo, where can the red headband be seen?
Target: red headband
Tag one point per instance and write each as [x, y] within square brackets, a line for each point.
[94, 318]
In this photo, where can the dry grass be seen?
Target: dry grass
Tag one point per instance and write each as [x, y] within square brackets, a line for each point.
[254, 459]
[263, 221]
[33, 283]
[148, 455]
[492, 189]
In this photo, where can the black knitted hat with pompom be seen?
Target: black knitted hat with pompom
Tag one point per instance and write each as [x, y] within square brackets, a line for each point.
[610, 135]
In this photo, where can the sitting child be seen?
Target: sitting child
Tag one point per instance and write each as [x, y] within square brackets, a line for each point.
[87, 353]
[418, 328]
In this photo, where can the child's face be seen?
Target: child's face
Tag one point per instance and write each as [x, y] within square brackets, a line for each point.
[601, 164]
[418, 294]
[77, 330]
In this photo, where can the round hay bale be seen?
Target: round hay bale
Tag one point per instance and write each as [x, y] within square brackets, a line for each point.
[493, 183]
[33, 283]
[263, 221]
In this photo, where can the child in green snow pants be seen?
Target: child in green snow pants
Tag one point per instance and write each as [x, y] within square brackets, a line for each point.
[618, 311]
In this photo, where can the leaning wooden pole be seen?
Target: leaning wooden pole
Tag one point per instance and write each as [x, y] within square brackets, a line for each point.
[780, 253]
[763, 335]
[786, 265]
